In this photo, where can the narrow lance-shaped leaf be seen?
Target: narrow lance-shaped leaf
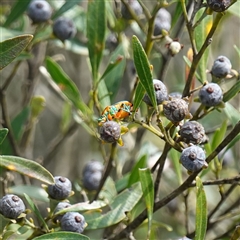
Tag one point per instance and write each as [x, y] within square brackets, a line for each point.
[143, 69]
[201, 211]
[26, 167]
[65, 7]
[62, 236]
[3, 134]
[201, 33]
[148, 193]
[66, 84]
[232, 92]
[36, 211]
[96, 27]
[11, 48]
[121, 204]
[17, 10]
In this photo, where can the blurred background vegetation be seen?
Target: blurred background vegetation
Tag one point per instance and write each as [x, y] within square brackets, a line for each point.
[63, 145]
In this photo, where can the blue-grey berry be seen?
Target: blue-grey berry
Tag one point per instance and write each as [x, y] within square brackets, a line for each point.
[136, 8]
[110, 132]
[176, 110]
[59, 207]
[162, 21]
[192, 132]
[11, 206]
[111, 42]
[221, 67]
[218, 5]
[64, 28]
[39, 11]
[92, 175]
[161, 93]
[193, 158]
[210, 95]
[73, 222]
[61, 189]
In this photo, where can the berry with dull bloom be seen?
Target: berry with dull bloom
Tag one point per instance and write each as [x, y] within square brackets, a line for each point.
[61, 189]
[176, 110]
[210, 95]
[73, 222]
[193, 158]
[110, 132]
[161, 93]
[92, 175]
[11, 206]
[162, 21]
[192, 132]
[64, 28]
[59, 207]
[221, 67]
[135, 6]
[218, 5]
[39, 11]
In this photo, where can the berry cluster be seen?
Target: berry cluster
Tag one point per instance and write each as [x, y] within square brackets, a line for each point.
[40, 11]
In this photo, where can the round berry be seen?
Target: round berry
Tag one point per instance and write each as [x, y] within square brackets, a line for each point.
[162, 21]
[61, 189]
[192, 132]
[193, 158]
[218, 5]
[176, 110]
[221, 67]
[92, 175]
[59, 207]
[11, 206]
[111, 42]
[73, 222]
[161, 93]
[210, 94]
[110, 132]
[64, 28]
[135, 6]
[39, 11]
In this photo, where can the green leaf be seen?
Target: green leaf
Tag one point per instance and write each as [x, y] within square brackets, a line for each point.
[148, 193]
[66, 84]
[96, 27]
[237, 49]
[3, 134]
[134, 175]
[232, 143]
[188, 62]
[66, 116]
[17, 125]
[26, 167]
[11, 48]
[200, 34]
[201, 211]
[177, 14]
[65, 7]
[62, 236]
[103, 94]
[17, 10]
[36, 211]
[219, 135]
[232, 92]
[121, 204]
[83, 206]
[114, 72]
[139, 94]
[175, 156]
[122, 183]
[232, 113]
[37, 193]
[143, 69]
